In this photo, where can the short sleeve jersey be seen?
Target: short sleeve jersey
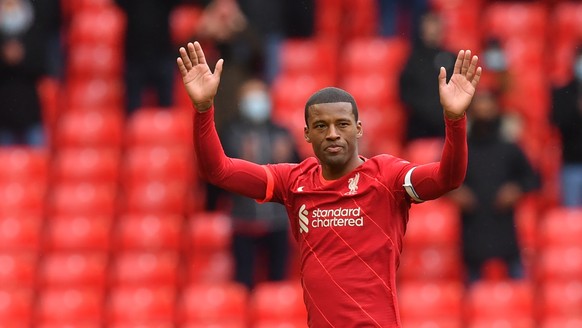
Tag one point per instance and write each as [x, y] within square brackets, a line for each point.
[349, 232]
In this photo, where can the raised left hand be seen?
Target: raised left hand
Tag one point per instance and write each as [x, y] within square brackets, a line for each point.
[456, 95]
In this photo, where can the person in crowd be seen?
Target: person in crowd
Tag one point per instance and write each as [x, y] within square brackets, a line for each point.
[566, 115]
[418, 93]
[498, 176]
[259, 229]
[23, 62]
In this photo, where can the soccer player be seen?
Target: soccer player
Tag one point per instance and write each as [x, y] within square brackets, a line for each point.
[348, 213]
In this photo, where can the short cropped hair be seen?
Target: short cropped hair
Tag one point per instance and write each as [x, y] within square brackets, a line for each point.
[331, 95]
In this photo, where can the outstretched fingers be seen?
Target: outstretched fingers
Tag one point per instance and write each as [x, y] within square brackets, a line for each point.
[459, 62]
[477, 77]
[185, 59]
[192, 54]
[199, 53]
[466, 62]
[472, 68]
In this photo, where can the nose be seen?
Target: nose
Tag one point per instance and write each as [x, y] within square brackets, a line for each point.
[332, 133]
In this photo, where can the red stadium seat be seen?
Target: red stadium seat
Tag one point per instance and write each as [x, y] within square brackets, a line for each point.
[292, 91]
[360, 19]
[559, 262]
[148, 232]
[58, 305]
[83, 199]
[423, 151]
[492, 301]
[566, 24]
[20, 232]
[308, 56]
[214, 304]
[146, 268]
[146, 304]
[523, 322]
[381, 56]
[76, 6]
[158, 163]
[561, 226]
[89, 60]
[74, 269]
[95, 94]
[23, 164]
[86, 165]
[78, 232]
[91, 128]
[210, 232]
[277, 301]
[561, 322]
[110, 22]
[561, 298]
[17, 269]
[184, 22]
[327, 15]
[159, 127]
[156, 197]
[435, 223]
[372, 90]
[22, 198]
[521, 20]
[430, 301]
[430, 263]
[215, 267]
[16, 307]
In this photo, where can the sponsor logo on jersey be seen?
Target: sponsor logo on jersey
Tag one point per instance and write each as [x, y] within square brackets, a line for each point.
[326, 218]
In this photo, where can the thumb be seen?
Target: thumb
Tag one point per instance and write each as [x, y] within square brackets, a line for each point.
[442, 77]
[218, 68]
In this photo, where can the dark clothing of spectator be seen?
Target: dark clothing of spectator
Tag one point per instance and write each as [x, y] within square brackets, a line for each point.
[421, 94]
[23, 49]
[259, 226]
[489, 232]
[149, 53]
[567, 117]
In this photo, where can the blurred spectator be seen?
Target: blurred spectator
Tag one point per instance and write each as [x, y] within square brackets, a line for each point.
[149, 54]
[275, 20]
[567, 116]
[498, 175]
[229, 36]
[392, 13]
[24, 26]
[258, 228]
[419, 93]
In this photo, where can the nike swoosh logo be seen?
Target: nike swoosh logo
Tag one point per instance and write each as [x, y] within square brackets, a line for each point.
[300, 189]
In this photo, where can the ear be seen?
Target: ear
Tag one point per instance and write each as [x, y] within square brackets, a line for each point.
[305, 134]
[360, 129]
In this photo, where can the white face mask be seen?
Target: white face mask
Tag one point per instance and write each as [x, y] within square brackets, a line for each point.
[256, 106]
[495, 59]
[16, 16]
[578, 68]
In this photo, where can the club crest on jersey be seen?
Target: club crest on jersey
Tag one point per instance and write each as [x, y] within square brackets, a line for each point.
[353, 184]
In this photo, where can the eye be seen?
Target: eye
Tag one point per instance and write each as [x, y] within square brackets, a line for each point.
[344, 124]
[319, 125]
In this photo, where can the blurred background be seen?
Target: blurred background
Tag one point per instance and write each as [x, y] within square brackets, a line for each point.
[104, 221]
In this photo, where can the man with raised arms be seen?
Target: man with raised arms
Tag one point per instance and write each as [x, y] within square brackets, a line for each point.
[348, 213]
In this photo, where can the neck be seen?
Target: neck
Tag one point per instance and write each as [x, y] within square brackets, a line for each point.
[332, 172]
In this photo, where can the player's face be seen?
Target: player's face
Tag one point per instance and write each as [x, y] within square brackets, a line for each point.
[333, 132]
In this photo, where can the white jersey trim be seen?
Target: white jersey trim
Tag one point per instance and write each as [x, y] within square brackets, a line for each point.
[410, 188]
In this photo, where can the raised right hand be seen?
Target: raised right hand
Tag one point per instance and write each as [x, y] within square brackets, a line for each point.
[200, 83]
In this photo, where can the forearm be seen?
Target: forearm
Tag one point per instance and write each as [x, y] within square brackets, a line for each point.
[433, 180]
[235, 175]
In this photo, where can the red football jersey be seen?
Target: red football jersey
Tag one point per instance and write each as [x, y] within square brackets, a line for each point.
[349, 233]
